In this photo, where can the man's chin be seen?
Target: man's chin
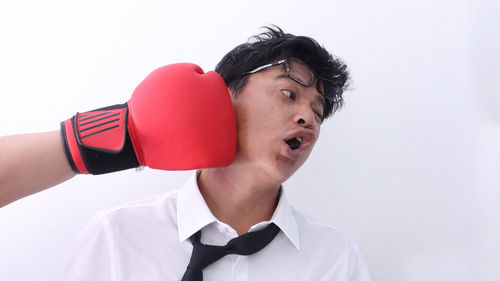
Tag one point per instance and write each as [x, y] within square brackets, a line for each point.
[282, 173]
[273, 171]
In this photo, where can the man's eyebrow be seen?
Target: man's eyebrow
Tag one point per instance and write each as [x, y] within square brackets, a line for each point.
[282, 75]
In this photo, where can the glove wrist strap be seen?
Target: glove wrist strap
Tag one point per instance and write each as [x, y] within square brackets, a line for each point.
[97, 142]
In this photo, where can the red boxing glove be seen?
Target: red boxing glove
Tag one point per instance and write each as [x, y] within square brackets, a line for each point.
[178, 118]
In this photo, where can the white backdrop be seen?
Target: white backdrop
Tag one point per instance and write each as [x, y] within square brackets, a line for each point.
[409, 169]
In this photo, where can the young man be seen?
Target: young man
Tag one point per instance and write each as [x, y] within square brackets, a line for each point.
[231, 221]
[282, 88]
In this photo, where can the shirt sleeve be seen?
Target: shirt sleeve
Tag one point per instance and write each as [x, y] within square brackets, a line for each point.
[358, 268]
[91, 258]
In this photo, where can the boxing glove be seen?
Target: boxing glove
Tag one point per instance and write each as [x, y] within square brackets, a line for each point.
[178, 118]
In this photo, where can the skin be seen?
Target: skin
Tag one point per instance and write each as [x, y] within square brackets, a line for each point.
[30, 163]
[269, 109]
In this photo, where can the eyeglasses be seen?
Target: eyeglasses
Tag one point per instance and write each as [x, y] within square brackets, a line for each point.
[302, 74]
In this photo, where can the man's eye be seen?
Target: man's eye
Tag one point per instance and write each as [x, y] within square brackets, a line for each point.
[289, 94]
[320, 116]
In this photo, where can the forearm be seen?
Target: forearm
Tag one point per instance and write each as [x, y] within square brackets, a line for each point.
[30, 163]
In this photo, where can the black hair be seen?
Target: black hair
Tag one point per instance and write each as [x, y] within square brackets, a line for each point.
[274, 44]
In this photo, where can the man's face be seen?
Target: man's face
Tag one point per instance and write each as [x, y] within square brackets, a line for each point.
[278, 124]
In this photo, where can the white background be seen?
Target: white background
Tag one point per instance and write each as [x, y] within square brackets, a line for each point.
[409, 169]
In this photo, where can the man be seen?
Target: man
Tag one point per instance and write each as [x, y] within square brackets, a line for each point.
[282, 87]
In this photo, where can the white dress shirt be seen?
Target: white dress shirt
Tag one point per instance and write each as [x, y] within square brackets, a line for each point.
[148, 240]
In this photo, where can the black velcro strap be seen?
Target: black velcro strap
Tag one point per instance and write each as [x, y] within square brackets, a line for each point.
[99, 162]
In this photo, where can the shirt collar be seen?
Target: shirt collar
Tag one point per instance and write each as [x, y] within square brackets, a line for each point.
[193, 213]
[285, 220]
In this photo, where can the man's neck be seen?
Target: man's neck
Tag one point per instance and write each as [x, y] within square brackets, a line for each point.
[238, 198]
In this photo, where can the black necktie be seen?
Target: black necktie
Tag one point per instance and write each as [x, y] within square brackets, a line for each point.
[246, 244]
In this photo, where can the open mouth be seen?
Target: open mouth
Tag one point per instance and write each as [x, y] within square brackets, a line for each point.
[297, 143]
[294, 143]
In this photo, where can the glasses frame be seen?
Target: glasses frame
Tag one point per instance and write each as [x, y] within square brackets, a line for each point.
[337, 92]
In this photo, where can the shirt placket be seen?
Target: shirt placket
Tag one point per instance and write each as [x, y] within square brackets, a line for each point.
[240, 269]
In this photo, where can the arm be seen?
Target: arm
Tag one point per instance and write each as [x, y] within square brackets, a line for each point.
[30, 163]
[178, 118]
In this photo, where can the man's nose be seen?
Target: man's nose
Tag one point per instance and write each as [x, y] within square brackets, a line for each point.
[305, 117]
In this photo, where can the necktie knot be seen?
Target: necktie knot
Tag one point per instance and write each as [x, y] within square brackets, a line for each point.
[204, 255]
[246, 244]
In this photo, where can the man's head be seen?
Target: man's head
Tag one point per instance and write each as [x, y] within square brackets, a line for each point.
[274, 45]
[277, 84]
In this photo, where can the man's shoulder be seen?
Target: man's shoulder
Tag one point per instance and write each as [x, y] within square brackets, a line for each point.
[150, 207]
[136, 223]
[340, 256]
[319, 233]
